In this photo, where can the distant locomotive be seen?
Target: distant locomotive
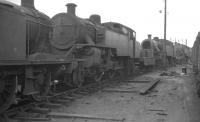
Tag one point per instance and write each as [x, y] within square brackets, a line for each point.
[152, 52]
[147, 53]
[182, 53]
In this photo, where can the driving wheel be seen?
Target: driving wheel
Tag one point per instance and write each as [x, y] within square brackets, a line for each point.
[42, 85]
[7, 92]
[78, 77]
[112, 75]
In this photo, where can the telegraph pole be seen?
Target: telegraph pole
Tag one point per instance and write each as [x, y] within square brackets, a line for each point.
[165, 29]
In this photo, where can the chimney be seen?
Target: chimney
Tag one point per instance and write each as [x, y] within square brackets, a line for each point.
[156, 38]
[71, 8]
[28, 3]
[149, 36]
[95, 18]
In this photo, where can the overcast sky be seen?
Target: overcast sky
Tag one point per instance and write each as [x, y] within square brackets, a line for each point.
[143, 16]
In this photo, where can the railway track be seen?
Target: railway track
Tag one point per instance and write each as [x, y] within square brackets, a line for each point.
[42, 111]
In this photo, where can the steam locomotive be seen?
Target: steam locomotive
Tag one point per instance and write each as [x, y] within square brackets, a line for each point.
[105, 47]
[152, 52]
[37, 52]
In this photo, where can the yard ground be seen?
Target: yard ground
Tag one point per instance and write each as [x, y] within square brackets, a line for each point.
[173, 99]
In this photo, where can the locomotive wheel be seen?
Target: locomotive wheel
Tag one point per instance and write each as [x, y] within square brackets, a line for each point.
[111, 74]
[119, 74]
[7, 92]
[98, 76]
[42, 85]
[77, 77]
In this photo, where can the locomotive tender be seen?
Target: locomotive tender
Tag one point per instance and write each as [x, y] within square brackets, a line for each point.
[37, 52]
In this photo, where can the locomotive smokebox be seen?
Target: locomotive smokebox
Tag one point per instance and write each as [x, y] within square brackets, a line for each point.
[71, 8]
[95, 18]
[28, 3]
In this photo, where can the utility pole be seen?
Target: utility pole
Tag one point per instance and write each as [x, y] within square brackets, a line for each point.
[165, 29]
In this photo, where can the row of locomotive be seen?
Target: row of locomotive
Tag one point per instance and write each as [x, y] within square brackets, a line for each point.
[38, 53]
[152, 52]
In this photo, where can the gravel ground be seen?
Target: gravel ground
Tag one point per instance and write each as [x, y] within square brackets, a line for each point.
[173, 99]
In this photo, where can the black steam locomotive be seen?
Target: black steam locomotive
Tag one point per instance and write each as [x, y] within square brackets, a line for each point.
[104, 47]
[37, 52]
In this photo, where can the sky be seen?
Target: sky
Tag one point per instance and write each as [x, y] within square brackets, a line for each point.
[143, 16]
